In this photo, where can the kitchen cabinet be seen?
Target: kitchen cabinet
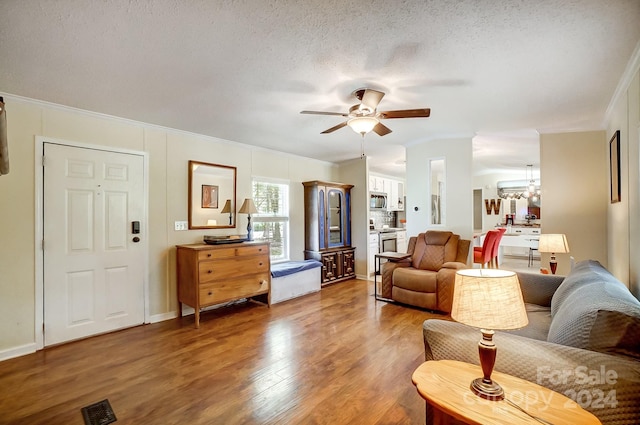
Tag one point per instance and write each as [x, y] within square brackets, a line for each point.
[376, 184]
[517, 240]
[374, 241]
[396, 195]
[393, 188]
[327, 217]
[401, 241]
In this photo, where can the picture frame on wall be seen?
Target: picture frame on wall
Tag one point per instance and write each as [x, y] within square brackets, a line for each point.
[209, 196]
[614, 166]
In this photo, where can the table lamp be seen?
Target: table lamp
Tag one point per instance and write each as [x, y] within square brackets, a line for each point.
[488, 299]
[227, 209]
[555, 244]
[248, 207]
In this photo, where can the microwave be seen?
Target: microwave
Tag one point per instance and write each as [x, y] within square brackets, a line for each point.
[377, 201]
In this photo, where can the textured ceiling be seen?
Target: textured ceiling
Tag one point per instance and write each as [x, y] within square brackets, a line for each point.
[243, 70]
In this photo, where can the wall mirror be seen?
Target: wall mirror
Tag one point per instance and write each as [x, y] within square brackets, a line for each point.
[437, 190]
[212, 196]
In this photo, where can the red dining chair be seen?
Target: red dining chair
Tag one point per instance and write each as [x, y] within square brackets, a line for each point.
[483, 255]
[496, 246]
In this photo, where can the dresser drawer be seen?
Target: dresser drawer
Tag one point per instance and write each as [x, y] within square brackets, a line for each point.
[217, 292]
[232, 267]
[232, 251]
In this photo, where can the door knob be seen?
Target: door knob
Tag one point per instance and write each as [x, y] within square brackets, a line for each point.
[136, 239]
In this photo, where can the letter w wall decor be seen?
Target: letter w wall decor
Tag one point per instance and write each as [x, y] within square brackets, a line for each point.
[492, 205]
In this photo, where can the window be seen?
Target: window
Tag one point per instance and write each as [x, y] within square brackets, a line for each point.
[271, 223]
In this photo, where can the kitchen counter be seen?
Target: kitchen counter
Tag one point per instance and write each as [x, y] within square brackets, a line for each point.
[386, 230]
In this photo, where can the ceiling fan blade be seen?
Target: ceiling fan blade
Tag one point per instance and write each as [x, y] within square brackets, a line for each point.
[381, 129]
[334, 128]
[342, 114]
[371, 98]
[406, 113]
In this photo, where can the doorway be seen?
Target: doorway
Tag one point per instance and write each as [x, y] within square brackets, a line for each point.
[94, 242]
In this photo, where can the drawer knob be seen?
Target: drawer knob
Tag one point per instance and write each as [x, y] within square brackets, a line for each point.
[209, 255]
[260, 264]
[210, 293]
[209, 271]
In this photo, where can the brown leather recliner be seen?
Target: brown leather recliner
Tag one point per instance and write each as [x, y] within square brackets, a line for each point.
[426, 279]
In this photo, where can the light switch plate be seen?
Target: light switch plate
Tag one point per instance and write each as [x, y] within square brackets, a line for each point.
[180, 225]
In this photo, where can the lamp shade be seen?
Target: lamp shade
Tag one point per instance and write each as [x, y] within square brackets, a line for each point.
[227, 207]
[488, 299]
[362, 125]
[248, 207]
[555, 243]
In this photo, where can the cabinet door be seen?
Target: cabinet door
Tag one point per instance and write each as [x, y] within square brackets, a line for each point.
[329, 267]
[392, 196]
[348, 263]
[335, 217]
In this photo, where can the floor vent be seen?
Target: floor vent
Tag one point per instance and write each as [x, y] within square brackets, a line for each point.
[99, 413]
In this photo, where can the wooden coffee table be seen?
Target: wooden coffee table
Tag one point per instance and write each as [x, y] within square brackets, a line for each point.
[444, 384]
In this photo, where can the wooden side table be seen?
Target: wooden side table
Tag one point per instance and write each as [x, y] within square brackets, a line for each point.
[389, 256]
[444, 384]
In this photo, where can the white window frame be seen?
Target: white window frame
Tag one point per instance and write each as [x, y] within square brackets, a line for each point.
[263, 218]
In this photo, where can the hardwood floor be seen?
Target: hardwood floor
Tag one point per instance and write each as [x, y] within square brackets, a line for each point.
[334, 357]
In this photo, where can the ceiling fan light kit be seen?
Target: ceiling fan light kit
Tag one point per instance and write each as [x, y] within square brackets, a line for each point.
[362, 125]
[364, 117]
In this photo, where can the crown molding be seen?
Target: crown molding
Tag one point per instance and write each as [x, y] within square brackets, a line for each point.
[623, 85]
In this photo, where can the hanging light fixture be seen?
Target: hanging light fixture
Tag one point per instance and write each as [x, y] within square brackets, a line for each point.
[362, 125]
[532, 183]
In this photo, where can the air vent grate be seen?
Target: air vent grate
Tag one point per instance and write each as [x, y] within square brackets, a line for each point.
[99, 413]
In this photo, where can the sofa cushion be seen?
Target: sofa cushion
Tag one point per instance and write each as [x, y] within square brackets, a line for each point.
[434, 248]
[539, 322]
[598, 314]
[584, 273]
[415, 280]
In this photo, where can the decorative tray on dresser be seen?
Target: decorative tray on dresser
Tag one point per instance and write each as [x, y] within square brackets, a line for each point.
[214, 274]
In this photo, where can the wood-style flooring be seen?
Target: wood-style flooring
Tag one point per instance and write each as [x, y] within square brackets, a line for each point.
[334, 357]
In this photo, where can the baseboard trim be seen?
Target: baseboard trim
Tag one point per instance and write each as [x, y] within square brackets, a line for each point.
[14, 352]
[163, 316]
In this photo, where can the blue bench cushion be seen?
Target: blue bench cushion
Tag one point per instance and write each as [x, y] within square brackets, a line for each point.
[291, 267]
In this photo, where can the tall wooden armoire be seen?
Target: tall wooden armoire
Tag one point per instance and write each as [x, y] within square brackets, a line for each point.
[327, 217]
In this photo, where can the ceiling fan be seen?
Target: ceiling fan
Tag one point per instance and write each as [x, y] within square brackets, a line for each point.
[364, 117]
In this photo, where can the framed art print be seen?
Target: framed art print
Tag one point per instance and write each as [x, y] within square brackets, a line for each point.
[209, 196]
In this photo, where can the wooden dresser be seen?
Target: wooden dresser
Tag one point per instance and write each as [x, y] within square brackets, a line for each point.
[215, 274]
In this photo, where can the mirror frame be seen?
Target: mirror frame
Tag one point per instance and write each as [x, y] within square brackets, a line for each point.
[196, 192]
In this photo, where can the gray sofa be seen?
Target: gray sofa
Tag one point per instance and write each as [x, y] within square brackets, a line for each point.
[583, 340]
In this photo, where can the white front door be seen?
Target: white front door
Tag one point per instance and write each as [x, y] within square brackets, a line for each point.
[93, 259]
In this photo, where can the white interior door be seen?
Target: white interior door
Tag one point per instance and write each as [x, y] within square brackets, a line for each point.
[93, 260]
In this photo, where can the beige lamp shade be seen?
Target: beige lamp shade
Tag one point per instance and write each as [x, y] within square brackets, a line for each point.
[227, 207]
[248, 207]
[488, 299]
[555, 243]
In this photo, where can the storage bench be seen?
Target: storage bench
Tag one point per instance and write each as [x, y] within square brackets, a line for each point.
[293, 279]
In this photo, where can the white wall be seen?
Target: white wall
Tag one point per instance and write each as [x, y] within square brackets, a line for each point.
[356, 171]
[623, 222]
[458, 211]
[169, 152]
[574, 178]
